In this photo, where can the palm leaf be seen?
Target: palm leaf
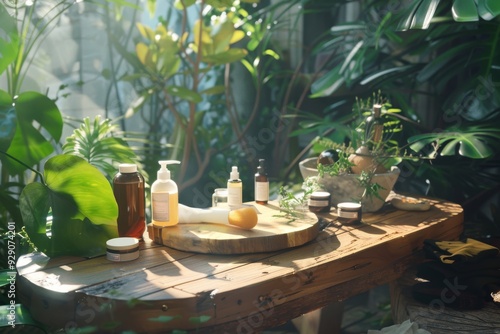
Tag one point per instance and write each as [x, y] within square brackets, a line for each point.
[97, 144]
[420, 13]
[474, 142]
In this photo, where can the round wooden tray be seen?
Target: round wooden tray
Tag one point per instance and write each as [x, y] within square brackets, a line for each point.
[273, 232]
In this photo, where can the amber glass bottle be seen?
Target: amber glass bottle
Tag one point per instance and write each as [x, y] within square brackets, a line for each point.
[128, 188]
[378, 124]
[261, 184]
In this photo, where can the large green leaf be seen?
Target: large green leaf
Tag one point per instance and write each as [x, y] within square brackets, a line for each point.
[34, 204]
[421, 12]
[464, 11]
[226, 57]
[469, 142]
[328, 83]
[84, 210]
[8, 121]
[488, 9]
[184, 93]
[94, 141]
[405, 22]
[36, 115]
[424, 14]
[9, 39]
[444, 59]
[68, 174]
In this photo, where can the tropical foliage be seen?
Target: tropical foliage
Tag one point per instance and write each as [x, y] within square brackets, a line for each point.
[436, 60]
[61, 214]
[446, 63]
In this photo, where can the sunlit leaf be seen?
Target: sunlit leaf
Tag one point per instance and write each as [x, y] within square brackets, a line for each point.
[142, 51]
[34, 111]
[8, 121]
[488, 9]
[464, 11]
[146, 31]
[69, 174]
[405, 23]
[350, 56]
[222, 36]
[35, 204]
[183, 4]
[184, 93]
[341, 28]
[84, 210]
[205, 35]
[220, 4]
[229, 56]
[9, 39]
[470, 142]
[328, 83]
[237, 36]
[424, 14]
[272, 53]
[219, 89]
[98, 143]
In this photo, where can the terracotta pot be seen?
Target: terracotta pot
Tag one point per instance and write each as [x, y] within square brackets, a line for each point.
[346, 188]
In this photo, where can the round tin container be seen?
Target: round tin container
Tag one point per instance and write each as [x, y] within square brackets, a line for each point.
[320, 201]
[122, 249]
[349, 212]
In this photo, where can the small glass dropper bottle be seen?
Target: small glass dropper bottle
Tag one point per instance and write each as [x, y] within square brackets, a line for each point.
[261, 184]
[234, 188]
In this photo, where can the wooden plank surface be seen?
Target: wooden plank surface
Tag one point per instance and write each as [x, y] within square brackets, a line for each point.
[185, 290]
[273, 232]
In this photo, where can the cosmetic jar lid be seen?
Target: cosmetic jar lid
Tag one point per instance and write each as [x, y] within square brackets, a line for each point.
[320, 195]
[349, 206]
[122, 249]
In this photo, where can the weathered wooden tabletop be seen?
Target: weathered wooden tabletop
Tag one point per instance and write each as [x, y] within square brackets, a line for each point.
[168, 289]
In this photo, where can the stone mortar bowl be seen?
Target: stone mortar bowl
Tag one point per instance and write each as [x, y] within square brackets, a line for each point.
[346, 188]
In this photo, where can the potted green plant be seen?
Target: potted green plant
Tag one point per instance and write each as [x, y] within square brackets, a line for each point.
[365, 168]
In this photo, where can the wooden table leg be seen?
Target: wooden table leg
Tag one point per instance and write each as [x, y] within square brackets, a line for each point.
[326, 320]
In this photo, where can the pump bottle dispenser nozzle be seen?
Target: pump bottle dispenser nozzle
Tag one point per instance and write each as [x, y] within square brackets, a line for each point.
[163, 172]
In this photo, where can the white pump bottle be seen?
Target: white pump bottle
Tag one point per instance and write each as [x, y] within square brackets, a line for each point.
[164, 197]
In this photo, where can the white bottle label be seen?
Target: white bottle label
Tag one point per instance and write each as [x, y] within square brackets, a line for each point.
[317, 202]
[261, 191]
[161, 205]
[234, 195]
[347, 214]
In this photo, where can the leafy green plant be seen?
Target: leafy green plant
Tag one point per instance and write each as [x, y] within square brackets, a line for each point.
[50, 216]
[62, 215]
[291, 203]
[101, 144]
[31, 122]
[420, 14]
[444, 76]
[181, 71]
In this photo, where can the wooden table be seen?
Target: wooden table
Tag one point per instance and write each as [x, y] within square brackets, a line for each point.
[167, 289]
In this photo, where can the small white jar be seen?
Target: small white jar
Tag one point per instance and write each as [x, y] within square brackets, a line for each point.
[349, 212]
[122, 249]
